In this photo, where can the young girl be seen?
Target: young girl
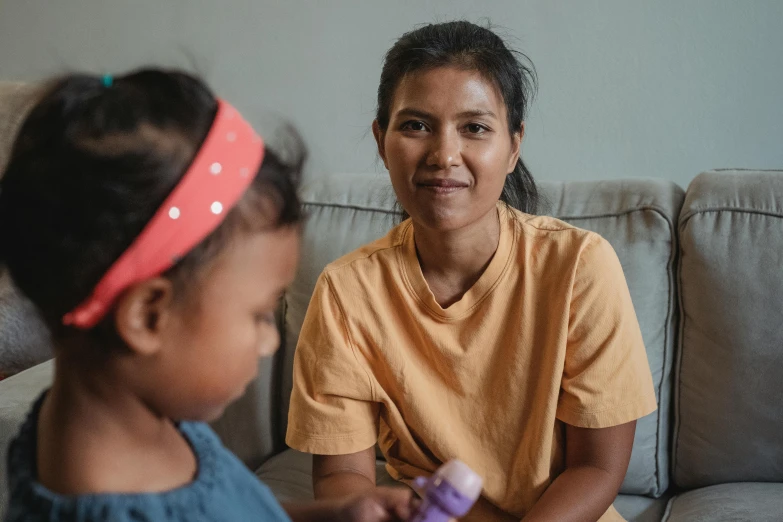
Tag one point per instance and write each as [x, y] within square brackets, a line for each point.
[475, 329]
[154, 232]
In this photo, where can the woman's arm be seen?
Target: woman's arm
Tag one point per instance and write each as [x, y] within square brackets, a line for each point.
[345, 488]
[596, 463]
[375, 505]
[342, 475]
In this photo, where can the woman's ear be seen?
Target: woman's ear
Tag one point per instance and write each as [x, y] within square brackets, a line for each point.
[516, 146]
[143, 313]
[379, 135]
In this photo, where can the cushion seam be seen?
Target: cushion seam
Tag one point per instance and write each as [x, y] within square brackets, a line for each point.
[684, 219]
[678, 369]
[347, 206]
[666, 348]
[641, 208]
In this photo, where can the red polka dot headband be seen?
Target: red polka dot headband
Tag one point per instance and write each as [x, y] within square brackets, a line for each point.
[223, 168]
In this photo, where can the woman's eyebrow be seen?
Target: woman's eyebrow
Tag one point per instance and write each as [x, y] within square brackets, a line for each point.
[418, 113]
[415, 113]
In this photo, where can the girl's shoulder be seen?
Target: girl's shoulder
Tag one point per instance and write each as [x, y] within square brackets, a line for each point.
[223, 489]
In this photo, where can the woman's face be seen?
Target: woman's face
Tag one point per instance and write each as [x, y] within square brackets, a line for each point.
[447, 147]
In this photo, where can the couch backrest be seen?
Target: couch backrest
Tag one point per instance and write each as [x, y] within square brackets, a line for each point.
[637, 217]
[15, 100]
[24, 341]
[729, 376]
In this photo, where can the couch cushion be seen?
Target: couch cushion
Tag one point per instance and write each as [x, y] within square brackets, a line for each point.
[247, 426]
[24, 340]
[748, 502]
[15, 100]
[729, 380]
[635, 508]
[636, 217]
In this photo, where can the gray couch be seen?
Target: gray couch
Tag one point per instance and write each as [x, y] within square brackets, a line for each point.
[705, 270]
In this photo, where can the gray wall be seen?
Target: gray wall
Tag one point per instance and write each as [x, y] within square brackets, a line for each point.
[627, 88]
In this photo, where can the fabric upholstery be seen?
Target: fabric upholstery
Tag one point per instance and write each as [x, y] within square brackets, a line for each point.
[729, 413]
[24, 341]
[746, 502]
[15, 101]
[636, 217]
[635, 508]
[247, 427]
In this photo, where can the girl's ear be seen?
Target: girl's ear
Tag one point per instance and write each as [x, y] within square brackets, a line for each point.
[143, 313]
[379, 136]
[516, 146]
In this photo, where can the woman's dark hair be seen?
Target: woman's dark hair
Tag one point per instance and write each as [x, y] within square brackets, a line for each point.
[92, 164]
[468, 46]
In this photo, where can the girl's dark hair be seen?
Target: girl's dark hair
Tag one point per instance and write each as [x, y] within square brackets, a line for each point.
[469, 46]
[92, 164]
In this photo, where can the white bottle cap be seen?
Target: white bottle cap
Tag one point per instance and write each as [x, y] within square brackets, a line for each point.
[462, 478]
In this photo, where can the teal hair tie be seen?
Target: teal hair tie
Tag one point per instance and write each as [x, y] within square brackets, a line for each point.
[107, 80]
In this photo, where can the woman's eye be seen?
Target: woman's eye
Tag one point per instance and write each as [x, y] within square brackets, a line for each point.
[415, 126]
[475, 128]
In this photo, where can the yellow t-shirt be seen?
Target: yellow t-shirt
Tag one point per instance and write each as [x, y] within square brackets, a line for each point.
[547, 335]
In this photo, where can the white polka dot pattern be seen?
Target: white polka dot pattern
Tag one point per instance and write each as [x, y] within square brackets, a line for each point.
[220, 173]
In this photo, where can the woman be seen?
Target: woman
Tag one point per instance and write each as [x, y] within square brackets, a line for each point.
[475, 329]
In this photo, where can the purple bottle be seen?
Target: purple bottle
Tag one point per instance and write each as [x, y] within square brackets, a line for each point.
[449, 493]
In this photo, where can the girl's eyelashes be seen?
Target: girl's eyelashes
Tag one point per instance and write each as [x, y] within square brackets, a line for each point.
[267, 315]
[264, 317]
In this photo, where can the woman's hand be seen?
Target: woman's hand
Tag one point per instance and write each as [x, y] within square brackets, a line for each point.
[378, 505]
[370, 505]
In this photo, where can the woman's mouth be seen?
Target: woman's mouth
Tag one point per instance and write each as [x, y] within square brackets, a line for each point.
[442, 185]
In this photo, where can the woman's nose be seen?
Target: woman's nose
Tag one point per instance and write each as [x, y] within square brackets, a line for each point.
[445, 152]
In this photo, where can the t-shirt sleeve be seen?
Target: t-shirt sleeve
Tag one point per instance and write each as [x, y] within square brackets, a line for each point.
[606, 377]
[332, 411]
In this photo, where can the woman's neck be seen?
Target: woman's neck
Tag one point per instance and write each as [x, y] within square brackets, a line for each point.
[97, 436]
[453, 261]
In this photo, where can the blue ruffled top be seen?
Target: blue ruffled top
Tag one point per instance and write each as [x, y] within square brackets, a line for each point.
[224, 489]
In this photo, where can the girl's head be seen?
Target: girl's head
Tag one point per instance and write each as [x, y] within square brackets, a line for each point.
[92, 164]
[452, 103]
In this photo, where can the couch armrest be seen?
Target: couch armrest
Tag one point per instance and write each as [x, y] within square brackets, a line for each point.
[16, 395]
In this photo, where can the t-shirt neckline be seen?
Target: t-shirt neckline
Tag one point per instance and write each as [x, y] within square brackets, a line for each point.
[480, 289]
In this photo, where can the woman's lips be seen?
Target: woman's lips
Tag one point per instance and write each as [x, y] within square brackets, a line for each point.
[442, 185]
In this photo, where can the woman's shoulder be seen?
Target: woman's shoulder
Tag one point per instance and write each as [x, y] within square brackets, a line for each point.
[558, 245]
[545, 229]
[382, 251]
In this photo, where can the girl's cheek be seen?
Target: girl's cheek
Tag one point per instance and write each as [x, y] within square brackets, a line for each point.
[269, 341]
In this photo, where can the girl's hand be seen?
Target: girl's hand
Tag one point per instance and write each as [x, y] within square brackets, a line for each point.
[378, 505]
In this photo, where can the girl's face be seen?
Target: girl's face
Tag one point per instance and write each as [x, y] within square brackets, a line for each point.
[212, 347]
[447, 147]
